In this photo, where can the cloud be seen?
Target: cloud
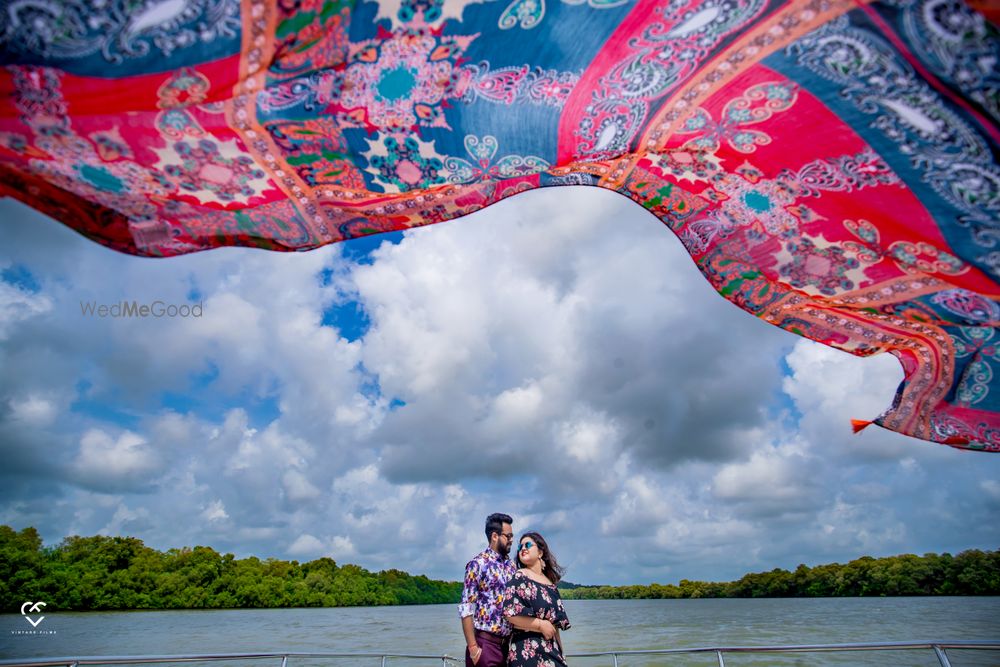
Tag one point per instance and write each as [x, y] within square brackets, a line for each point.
[33, 411]
[18, 305]
[306, 545]
[127, 521]
[298, 487]
[490, 347]
[556, 358]
[773, 481]
[830, 387]
[216, 511]
[125, 462]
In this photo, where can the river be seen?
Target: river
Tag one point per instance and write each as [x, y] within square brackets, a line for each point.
[597, 626]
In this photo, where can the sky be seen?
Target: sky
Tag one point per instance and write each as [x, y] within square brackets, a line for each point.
[557, 357]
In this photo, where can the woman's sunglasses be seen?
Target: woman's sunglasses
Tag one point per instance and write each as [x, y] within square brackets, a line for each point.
[526, 546]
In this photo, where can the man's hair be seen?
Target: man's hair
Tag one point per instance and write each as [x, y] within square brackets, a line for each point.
[495, 522]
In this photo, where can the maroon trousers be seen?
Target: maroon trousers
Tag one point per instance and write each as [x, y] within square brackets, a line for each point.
[494, 650]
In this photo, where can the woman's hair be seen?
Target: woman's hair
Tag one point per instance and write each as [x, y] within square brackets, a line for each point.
[550, 567]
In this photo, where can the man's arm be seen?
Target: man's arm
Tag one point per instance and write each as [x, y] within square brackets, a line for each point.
[470, 598]
[470, 639]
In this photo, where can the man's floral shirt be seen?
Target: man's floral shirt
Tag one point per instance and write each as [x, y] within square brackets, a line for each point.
[486, 577]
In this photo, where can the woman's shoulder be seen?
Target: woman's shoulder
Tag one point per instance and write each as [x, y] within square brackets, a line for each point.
[524, 574]
[521, 575]
[518, 580]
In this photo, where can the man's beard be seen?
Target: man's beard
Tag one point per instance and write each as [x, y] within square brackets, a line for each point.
[503, 550]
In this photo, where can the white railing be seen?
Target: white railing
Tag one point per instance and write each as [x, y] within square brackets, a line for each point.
[938, 647]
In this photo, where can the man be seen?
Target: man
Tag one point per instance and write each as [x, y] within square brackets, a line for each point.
[487, 632]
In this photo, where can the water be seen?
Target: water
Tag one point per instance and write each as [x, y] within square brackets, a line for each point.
[597, 626]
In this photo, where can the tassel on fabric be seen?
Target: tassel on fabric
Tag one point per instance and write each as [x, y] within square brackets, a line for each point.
[859, 425]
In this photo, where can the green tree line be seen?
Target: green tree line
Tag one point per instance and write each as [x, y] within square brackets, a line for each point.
[100, 572]
[85, 573]
[971, 572]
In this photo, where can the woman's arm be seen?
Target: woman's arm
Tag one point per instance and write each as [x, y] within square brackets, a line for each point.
[532, 624]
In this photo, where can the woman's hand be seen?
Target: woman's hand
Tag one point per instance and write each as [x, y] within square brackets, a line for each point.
[475, 654]
[545, 627]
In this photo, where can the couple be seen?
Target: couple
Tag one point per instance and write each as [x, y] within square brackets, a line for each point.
[511, 614]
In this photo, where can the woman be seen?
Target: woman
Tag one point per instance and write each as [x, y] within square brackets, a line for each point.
[534, 608]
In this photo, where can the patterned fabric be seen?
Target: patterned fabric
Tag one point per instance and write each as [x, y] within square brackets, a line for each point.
[831, 165]
[526, 597]
[486, 578]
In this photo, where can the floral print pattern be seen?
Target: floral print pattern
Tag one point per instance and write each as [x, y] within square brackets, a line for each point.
[526, 597]
[485, 592]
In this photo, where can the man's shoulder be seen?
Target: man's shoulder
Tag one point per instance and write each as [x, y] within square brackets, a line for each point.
[488, 559]
[478, 559]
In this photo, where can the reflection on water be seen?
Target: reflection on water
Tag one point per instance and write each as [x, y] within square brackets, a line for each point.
[597, 626]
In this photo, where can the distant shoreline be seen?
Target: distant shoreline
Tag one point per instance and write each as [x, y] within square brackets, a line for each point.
[102, 573]
[970, 573]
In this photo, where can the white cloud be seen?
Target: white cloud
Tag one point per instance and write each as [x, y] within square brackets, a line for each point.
[559, 358]
[33, 410]
[827, 380]
[123, 460]
[858, 528]
[991, 488]
[306, 545]
[517, 407]
[216, 511]
[127, 521]
[298, 487]
[587, 440]
[773, 477]
[17, 305]
[639, 505]
[830, 387]
[342, 547]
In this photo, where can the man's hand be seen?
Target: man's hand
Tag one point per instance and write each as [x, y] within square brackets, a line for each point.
[475, 652]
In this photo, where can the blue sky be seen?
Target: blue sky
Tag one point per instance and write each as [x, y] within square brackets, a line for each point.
[557, 357]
